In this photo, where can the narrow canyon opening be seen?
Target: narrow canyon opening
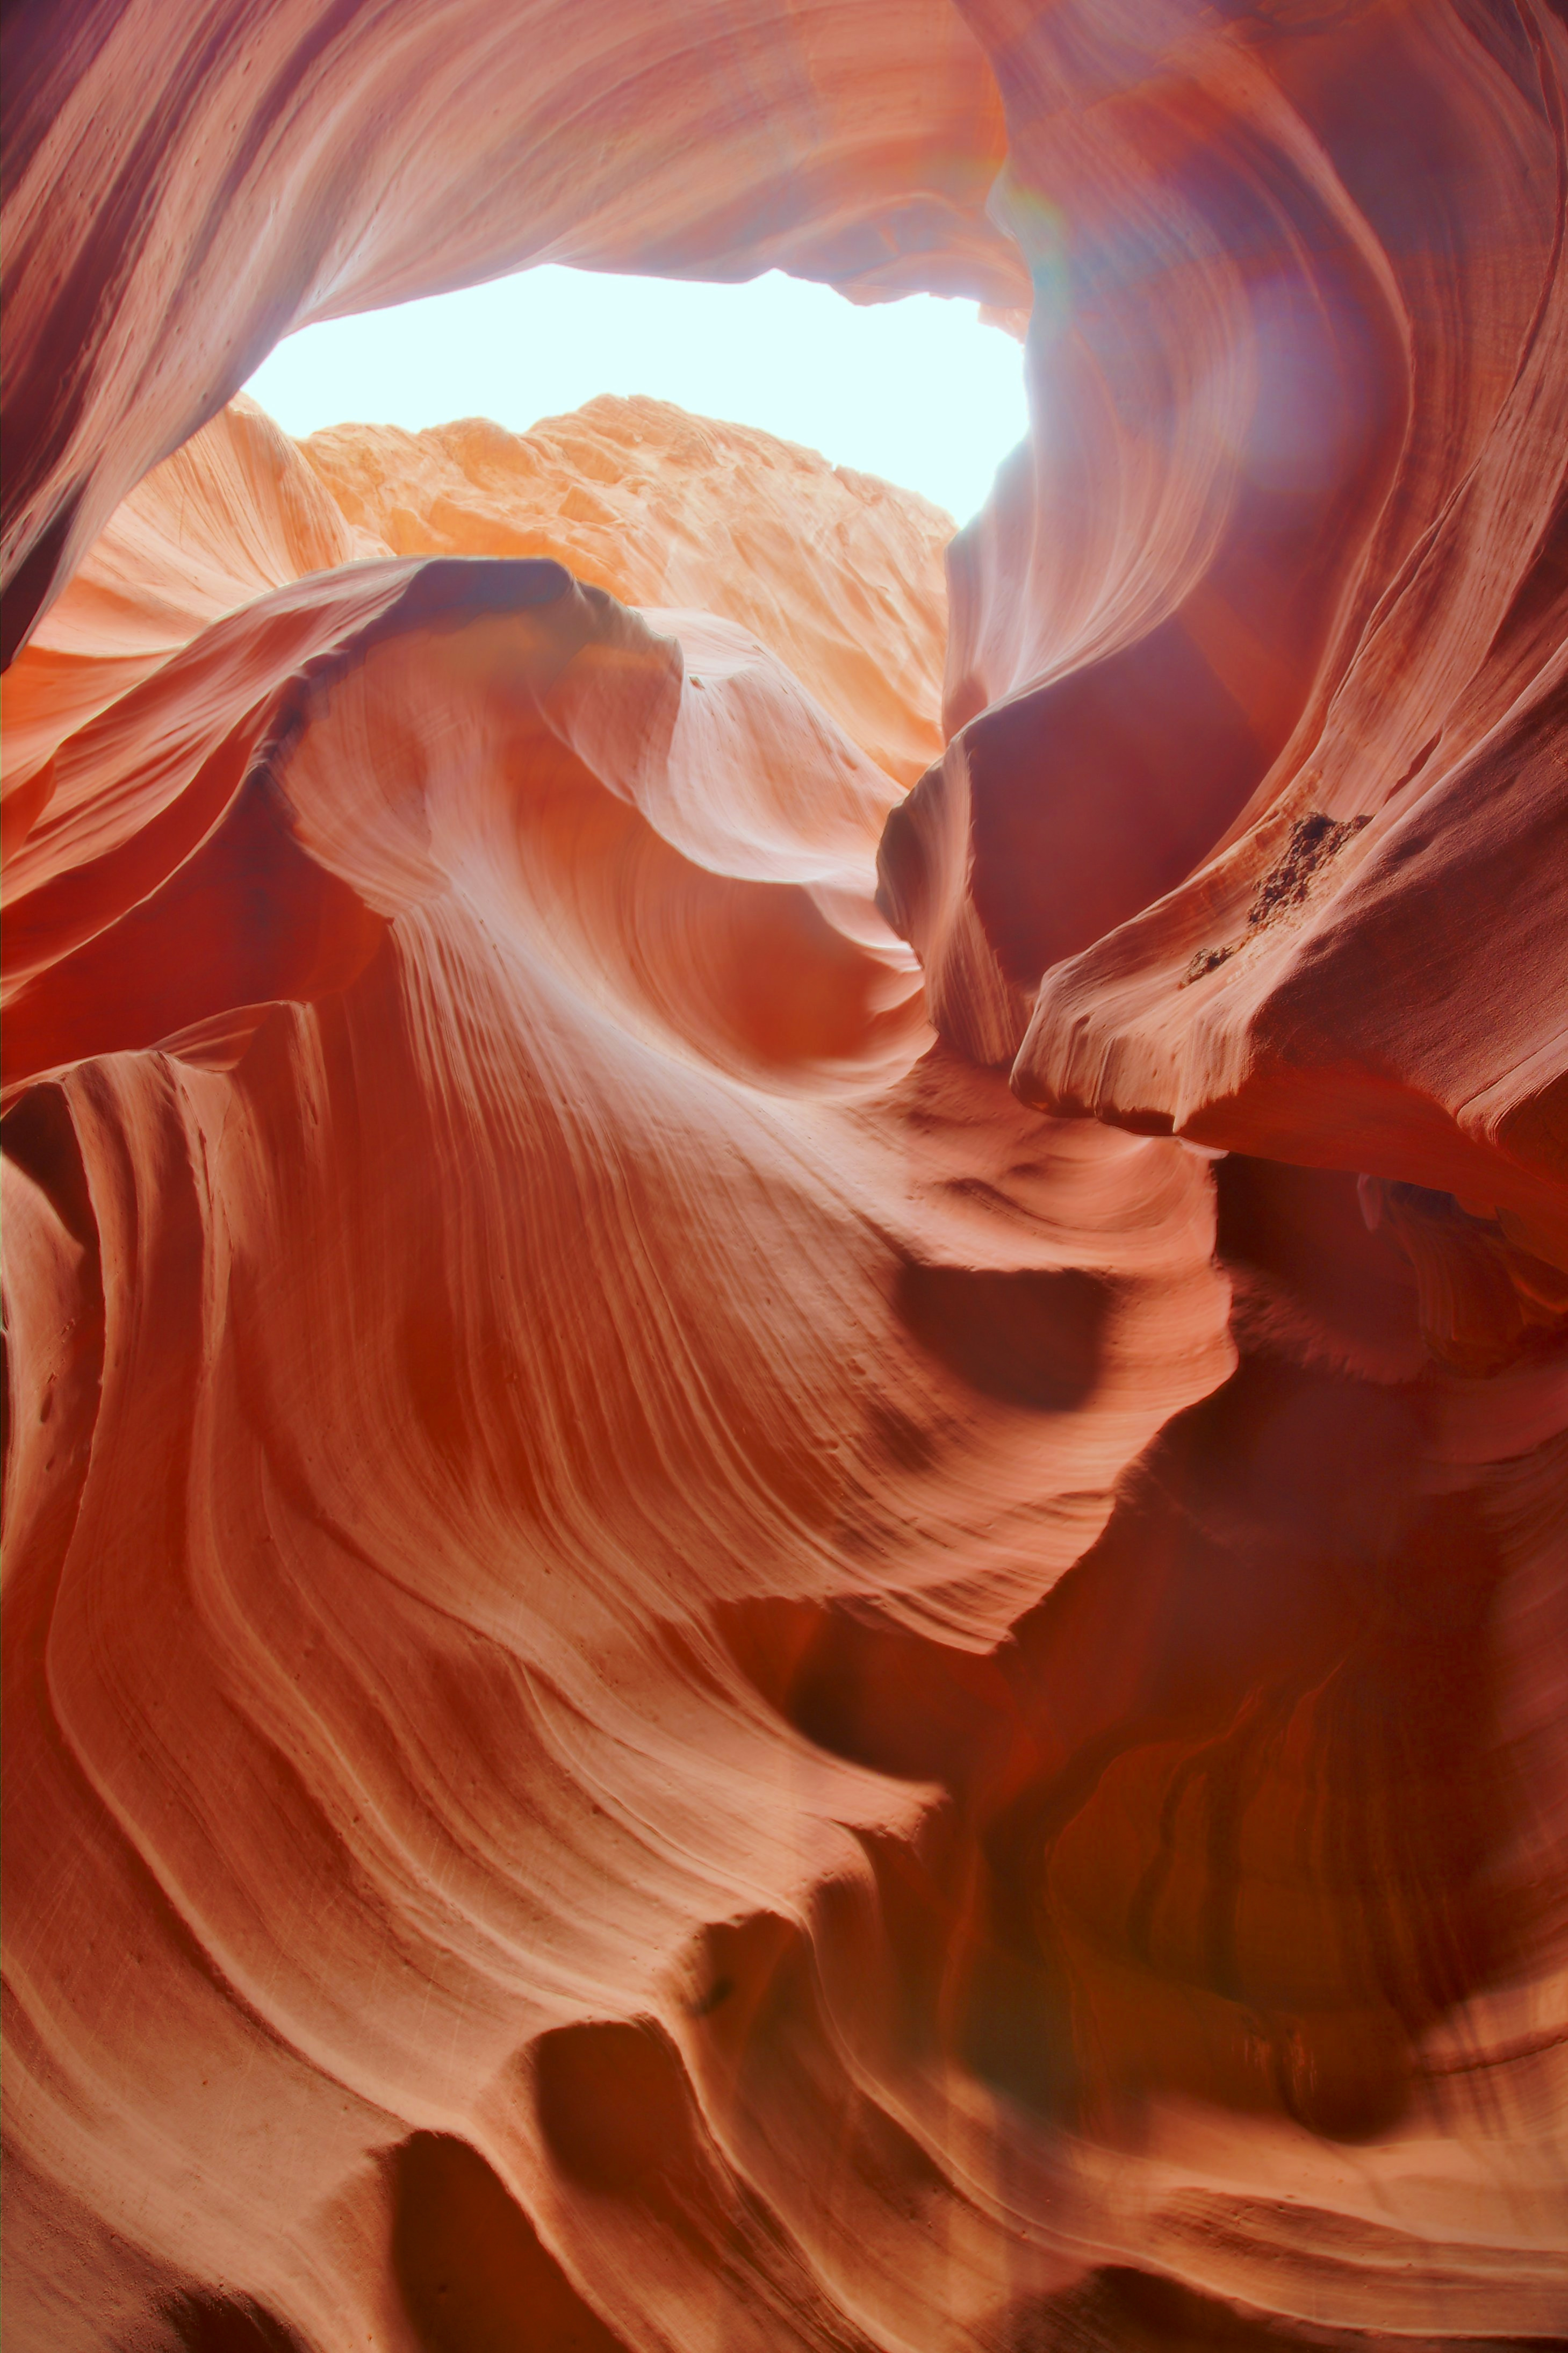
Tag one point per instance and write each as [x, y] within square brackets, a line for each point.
[922, 391]
[786, 1218]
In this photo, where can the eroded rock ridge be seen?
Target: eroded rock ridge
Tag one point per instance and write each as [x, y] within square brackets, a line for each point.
[787, 1485]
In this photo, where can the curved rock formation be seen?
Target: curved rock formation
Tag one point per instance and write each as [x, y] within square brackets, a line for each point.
[184, 187]
[784, 1565]
[663, 508]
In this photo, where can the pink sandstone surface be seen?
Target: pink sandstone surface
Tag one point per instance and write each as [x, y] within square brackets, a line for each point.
[786, 1484]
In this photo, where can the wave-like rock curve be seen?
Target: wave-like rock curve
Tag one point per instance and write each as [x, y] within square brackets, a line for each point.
[785, 1560]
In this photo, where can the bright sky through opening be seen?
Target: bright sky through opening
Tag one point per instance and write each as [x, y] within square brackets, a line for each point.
[917, 391]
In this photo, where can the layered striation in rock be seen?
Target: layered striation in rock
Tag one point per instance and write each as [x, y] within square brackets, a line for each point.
[834, 572]
[183, 187]
[785, 1559]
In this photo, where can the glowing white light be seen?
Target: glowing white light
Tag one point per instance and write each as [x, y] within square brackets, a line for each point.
[917, 391]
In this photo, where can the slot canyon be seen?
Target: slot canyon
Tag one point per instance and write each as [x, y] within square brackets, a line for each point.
[786, 1297]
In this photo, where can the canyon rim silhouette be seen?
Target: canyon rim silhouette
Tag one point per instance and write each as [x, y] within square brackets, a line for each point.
[786, 1295]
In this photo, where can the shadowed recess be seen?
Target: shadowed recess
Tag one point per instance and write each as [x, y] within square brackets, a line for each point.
[1026, 1339]
[223, 2324]
[469, 2264]
[787, 1296]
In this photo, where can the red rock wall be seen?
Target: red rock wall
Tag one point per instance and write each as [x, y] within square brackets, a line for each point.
[717, 1638]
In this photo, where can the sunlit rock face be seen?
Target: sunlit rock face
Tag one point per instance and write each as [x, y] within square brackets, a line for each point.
[784, 1559]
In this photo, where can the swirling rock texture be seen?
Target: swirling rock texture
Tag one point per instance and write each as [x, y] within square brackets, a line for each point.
[785, 1558]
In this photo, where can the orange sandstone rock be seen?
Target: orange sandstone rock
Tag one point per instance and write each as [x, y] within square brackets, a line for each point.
[1257, 663]
[714, 1639]
[838, 575]
[183, 188]
[745, 1332]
